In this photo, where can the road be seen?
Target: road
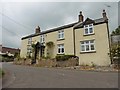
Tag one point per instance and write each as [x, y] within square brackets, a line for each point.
[37, 77]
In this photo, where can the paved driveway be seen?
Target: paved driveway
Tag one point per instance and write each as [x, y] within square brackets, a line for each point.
[36, 77]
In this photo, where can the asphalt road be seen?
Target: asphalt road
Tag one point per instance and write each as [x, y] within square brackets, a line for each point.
[36, 77]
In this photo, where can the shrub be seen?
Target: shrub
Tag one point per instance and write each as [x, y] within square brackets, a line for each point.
[93, 64]
[6, 58]
[115, 53]
[64, 57]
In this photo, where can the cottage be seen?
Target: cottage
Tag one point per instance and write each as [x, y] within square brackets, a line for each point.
[88, 39]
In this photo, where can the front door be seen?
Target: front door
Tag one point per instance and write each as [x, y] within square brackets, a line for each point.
[42, 52]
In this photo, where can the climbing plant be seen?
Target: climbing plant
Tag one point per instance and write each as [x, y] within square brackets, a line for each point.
[50, 44]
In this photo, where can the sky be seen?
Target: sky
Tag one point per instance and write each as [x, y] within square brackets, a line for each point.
[18, 19]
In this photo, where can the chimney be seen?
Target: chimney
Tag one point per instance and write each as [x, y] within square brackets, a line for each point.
[104, 14]
[81, 17]
[37, 30]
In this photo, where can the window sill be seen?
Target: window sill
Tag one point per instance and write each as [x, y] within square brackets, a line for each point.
[42, 42]
[29, 44]
[89, 34]
[60, 53]
[82, 52]
[60, 39]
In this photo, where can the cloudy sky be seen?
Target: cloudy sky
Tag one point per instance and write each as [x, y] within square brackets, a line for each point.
[18, 19]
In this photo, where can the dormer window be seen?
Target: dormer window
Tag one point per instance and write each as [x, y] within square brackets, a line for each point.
[61, 34]
[88, 29]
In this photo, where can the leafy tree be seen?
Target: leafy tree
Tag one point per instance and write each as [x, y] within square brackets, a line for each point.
[115, 47]
[116, 31]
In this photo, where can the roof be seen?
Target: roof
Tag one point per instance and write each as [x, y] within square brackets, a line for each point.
[75, 25]
[51, 30]
[8, 49]
[88, 21]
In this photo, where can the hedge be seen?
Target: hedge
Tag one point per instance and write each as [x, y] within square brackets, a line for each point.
[64, 57]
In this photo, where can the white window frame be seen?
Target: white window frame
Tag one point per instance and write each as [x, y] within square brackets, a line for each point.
[29, 41]
[88, 29]
[61, 34]
[60, 46]
[29, 49]
[42, 38]
[85, 45]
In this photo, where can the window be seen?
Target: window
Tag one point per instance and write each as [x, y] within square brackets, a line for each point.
[87, 46]
[29, 41]
[29, 50]
[42, 39]
[61, 34]
[88, 29]
[60, 48]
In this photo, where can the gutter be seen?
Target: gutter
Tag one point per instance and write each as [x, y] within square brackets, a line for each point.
[74, 41]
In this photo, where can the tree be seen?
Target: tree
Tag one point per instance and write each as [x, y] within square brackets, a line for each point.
[116, 31]
[115, 47]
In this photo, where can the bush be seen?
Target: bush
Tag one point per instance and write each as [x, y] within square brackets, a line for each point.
[64, 57]
[6, 58]
[115, 53]
[116, 60]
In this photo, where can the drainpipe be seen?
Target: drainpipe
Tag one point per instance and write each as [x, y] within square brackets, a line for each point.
[109, 40]
[74, 41]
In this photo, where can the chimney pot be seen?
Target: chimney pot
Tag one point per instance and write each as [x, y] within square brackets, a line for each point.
[104, 14]
[81, 17]
[37, 30]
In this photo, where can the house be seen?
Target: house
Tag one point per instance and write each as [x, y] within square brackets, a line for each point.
[88, 39]
[115, 39]
[9, 51]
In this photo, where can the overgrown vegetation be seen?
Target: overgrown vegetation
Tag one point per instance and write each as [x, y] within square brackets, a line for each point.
[115, 48]
[62, 61]
[116, 31]
[6, 58]
[50, 44]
